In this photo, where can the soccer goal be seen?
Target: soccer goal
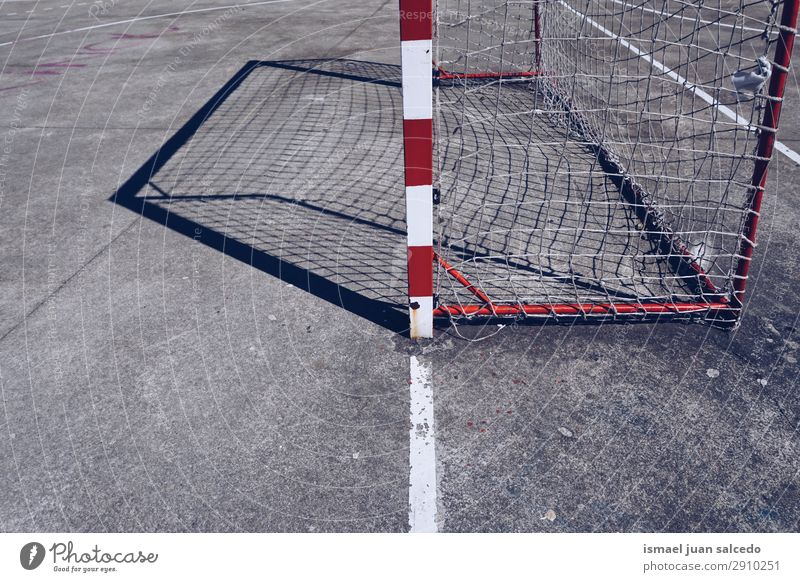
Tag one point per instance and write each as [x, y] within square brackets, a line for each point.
[587, 159]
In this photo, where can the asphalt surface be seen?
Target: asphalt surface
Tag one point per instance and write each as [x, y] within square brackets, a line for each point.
[197, 329]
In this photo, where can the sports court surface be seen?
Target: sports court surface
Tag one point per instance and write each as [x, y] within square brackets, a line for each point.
[202, 252]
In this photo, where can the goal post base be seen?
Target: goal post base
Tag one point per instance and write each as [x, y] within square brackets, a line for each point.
[720, 315]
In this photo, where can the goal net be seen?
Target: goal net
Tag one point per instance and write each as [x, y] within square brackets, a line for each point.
[599, 158]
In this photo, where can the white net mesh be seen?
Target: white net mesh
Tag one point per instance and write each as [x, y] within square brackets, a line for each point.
[595, 151]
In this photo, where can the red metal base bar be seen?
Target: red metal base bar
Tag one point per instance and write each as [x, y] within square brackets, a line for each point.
[444, 76]
[579, 309]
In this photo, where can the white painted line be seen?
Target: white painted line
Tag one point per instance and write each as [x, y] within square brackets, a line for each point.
[143, 18]
[789, 153]
[422, 455]
[726, 111]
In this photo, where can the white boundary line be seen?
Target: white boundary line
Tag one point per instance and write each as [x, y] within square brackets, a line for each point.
[422, 451]
[726, 111]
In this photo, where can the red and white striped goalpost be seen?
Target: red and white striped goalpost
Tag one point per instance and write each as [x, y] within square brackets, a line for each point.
[416, 37]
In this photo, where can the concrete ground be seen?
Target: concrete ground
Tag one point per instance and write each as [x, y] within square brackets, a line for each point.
[197, 329]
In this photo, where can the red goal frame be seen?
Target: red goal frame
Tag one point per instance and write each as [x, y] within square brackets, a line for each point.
[419, 72]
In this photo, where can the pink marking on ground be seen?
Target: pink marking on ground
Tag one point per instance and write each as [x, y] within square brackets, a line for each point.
[65, 65]
[20, 86]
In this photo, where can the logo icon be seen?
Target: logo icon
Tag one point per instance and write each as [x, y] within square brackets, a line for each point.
[31, 555]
